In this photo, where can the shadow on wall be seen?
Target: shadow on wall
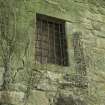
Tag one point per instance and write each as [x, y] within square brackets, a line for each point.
[79, 54]
[62, 100]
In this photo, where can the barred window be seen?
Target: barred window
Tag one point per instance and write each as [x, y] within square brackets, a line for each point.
[51, 43]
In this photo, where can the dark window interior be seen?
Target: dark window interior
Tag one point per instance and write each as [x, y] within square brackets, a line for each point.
[51, 43]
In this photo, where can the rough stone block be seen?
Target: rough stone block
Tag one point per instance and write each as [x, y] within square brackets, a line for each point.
[11, 97]
[38, 98]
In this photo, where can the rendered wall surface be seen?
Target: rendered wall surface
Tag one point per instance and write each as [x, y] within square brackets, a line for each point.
[33, 84]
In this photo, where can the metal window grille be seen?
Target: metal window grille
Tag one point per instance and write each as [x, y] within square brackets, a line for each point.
[51, 43]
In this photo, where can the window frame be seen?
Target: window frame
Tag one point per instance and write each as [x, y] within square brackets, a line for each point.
[56, 21]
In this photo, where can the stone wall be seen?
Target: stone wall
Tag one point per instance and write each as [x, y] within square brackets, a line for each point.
[82, 83]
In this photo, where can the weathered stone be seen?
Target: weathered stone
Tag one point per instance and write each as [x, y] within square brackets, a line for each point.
[32, 80]
[38, 98]
[12, 97]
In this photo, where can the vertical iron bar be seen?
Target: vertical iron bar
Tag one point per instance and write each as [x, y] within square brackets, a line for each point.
[62, 39]
[41, 39]
[60, 44]
[54, 43]
[48, 43]
[36, 41]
